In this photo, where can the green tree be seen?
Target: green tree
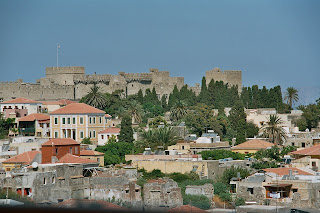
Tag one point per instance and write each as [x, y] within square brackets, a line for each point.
[291, 96]
[178, 111]
[95, 98]
[5, 125]
[273, 130]
[221, 154]
[86, 141]
[126, 131]
[115, 152]
[238, 124]
[135, 111]
[233, 172]
[154, 123]
[140, 96]
[203, 96]
[199, 201]
[164, 136]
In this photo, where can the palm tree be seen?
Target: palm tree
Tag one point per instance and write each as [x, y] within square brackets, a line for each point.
[273, 130]
[136, 111]
[291, 96]
[164, 136]
[95, 98]
[178, 111]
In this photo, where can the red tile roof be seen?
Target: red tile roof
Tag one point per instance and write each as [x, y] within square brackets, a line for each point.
[110, 130]
[60, 141]
[77, 108]
[314, 150]
[73, 203]
[35, 116]
[187, 208]
[66, 101]
[68, 158]
[253, 144]
[285, 171]
[90, 153]
[20, 101]
[51, 103]
[108, 116]
[24, 158]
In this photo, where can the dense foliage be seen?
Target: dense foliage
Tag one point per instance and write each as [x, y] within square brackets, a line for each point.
[5, 125]
[114, 153]
[221, 154]
[126, 131]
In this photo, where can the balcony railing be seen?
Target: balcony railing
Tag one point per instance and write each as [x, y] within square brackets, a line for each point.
[27, 130]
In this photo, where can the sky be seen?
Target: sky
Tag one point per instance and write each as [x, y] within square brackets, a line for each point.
[273, 42]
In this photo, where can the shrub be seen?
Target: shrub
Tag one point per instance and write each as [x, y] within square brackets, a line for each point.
[199, 201]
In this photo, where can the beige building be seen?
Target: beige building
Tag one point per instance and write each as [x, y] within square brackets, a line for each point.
[194, 148]
[77, 121]
[251, 146]
[93, 155]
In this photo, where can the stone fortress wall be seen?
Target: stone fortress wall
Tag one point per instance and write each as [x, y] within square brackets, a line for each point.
[72, 83]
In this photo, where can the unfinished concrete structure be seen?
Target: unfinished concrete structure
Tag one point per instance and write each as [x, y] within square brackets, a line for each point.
[161, 195]
[72, 83]
[206, 190]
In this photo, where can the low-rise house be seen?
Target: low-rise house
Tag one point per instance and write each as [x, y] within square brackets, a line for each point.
[19, 161]
[56, 148]
[194, 147]
[37, 124]
[93, 155]
[251, 146]
[308, 157]
[77, 121]
[50, 106]
[20, 107]
[206, 190]
[161, 194]
[106, 134]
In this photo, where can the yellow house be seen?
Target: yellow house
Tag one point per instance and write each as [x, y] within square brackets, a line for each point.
[93, 155]
[194, 148]
[77, 121]
[19, 161]
[251, 146]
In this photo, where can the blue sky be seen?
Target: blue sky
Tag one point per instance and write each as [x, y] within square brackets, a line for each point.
[273, 42]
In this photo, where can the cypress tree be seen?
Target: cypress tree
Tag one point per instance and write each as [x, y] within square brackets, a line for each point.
[140, 96]
[203, 96]
[126, 131]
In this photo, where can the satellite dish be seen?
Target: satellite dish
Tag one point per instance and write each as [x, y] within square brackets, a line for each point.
[34, 165]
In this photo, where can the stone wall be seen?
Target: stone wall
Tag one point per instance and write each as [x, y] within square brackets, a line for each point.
[206, 190]
[232, 77]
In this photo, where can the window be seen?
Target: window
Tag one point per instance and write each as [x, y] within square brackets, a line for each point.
[69, 120]
[81, 120]
[70, 150]
[303, 144]
[56, 151]
[76, 150]
[90, 120]
[100, 120]
[314, 164]
[90, 134]
[44, 181]
[292, 144]
[94, 134]
[94, 120]
[73, 120]
[55, 121]
[81, 134]
[250, 190]
[63, 120]
[102, 137]
[56, 134]
[294, 190]
[182, 147]
[53, 180]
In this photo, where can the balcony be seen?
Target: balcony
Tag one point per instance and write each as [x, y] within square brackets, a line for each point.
[26, 130]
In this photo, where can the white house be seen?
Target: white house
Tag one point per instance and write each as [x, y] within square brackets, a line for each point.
[20, 107]
[105, 135]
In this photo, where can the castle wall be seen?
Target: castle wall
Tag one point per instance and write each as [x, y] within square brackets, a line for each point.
[232, 77]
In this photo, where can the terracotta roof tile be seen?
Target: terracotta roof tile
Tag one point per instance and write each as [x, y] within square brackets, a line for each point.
[314, 150]
[66, 101]
[35, 116]
[68, 158]
[254, 144]
[110, 130]
[108, 116]
[77, 108]
[73, 203]
[285, 171]
[90, 153]
[51, 103]
[60, 141]
[24, 158]
[187, 208]
[20, 101]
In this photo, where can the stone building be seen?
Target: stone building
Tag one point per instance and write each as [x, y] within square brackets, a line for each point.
[206, 190]
[161, 195]
[72, 83]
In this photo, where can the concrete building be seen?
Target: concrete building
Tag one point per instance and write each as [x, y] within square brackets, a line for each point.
[20, 107]
[161, 194]
[106, 134]
[77, 121]
[206, 190]
[56, 148]
[194, 147]
[37, 124]
[251, 146]
[93, 155]
[307, 158]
